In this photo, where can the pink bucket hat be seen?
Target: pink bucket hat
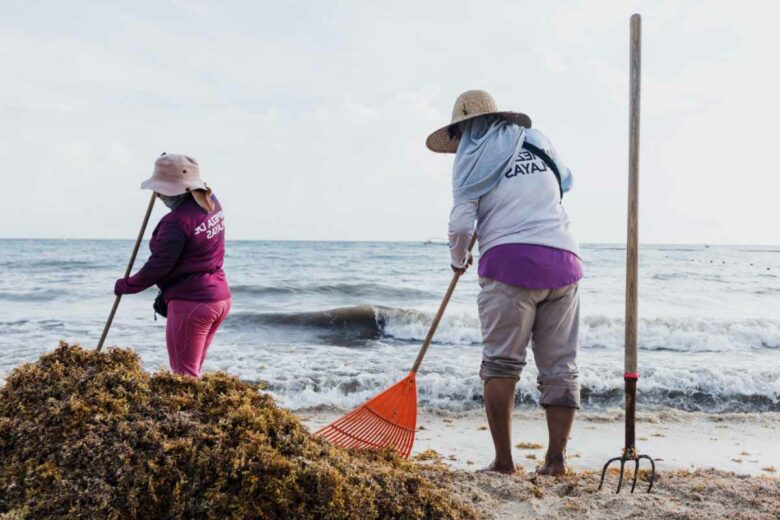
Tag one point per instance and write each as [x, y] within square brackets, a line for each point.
[174, 174]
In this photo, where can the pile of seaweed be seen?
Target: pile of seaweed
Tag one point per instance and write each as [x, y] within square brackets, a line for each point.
[92, 435]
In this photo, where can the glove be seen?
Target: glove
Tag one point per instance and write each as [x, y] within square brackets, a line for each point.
[461, 270]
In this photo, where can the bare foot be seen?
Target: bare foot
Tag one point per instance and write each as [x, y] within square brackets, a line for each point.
[506, 469]
[554, 465]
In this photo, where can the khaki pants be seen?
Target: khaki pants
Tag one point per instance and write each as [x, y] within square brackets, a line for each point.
[548, 318]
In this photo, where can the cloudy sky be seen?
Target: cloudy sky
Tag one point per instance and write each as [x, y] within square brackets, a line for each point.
[309, 117]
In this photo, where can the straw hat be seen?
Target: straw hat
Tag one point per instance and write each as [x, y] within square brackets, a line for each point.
[174, 174]
[470, 104]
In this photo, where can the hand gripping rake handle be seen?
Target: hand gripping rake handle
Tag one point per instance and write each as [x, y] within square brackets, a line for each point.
[630, 453]
[440, 313]
[127, 272]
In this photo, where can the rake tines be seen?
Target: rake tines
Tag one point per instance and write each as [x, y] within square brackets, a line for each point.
[388, 420]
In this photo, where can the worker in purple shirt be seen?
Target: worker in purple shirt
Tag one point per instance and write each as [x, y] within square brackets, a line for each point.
[188, 249]
[508, 185]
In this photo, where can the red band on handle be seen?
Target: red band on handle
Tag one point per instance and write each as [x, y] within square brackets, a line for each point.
[631, 376]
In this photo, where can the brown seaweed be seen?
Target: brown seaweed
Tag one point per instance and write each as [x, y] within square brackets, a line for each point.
[93, 435]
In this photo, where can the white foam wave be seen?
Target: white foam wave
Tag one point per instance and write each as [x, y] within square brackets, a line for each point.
[689, 335]
[341, 377]
[455, 328]
[709, 390]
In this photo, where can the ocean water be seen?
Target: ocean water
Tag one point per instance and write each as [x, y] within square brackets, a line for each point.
[325, 323]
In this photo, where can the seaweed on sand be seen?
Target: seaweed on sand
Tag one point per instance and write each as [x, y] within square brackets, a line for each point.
[92, 435]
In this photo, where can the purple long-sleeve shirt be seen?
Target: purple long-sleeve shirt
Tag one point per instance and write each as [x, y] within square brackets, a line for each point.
[188, 249]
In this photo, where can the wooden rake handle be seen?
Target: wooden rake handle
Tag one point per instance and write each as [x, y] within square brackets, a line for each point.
[127, 272]
[440, 312]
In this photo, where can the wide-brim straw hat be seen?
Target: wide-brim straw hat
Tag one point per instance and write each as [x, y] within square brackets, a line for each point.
[173, 175]
[470, 104]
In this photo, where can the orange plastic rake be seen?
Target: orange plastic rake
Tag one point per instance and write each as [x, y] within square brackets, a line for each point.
[389, 420]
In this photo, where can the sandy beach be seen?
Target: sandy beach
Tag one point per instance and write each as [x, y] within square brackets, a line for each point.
[678, 494]
[709, 465]
[742, 443]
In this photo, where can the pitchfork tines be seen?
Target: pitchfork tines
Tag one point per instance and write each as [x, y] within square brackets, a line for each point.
[630, 453]
[628, 456]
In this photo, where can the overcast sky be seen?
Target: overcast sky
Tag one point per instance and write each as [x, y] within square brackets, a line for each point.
[309, 118]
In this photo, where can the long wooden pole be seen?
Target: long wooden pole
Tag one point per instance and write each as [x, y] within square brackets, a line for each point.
[127, 271]
[440, 312]
[632, 239]
[632, 250]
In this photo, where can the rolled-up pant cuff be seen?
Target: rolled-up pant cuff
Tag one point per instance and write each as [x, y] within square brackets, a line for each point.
[566, 395]
[494, 369]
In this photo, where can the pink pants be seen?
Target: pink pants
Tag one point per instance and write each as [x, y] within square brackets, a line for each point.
[189, 330]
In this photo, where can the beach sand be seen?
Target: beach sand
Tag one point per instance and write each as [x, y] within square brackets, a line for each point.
[678, 494]
[709, 466]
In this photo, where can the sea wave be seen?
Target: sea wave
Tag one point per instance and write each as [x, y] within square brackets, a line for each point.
[50, 265]
[365, 322]
[346, 326]
[710, 391]
[63, 265]
[597, 331]
[33, 296]
[684, 335]
[364, 290]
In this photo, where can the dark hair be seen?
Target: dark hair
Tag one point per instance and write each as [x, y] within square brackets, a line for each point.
[454, 131]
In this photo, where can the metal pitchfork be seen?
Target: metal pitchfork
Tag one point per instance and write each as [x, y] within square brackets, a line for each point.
[630, 453]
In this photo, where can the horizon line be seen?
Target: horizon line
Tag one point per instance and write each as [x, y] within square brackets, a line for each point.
[408, 241]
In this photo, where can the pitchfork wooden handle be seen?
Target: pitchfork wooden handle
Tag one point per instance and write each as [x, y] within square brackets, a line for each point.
[127, 272]
[440, 312]
[632, 239]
